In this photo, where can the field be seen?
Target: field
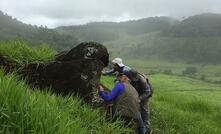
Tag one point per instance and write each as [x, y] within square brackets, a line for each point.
[184, 105]
[206, 72]
[180, 104]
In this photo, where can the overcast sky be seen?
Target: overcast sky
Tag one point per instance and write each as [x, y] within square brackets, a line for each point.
[53, 13]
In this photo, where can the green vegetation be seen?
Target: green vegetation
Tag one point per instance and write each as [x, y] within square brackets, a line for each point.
[26, 110]
[182, 105]
[202, 25]
[23, 53]
[204, 50]
[205, 72]
[186, 100]
[23, 110]
[195, 39]
[11, 28]
[108, 31]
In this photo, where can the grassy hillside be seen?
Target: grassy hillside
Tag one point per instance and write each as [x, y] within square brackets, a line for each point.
[25, 110]
[179, 105]
[24, 53]
[182, 105]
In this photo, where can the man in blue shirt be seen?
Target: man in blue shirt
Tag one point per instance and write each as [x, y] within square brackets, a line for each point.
[139, 82]
[125, 101]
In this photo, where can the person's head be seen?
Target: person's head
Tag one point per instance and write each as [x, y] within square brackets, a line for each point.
[117, 62]
[123, 78]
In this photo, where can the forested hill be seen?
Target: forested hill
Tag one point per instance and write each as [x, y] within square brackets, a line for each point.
[196, 39]
[202, 25]
[11, 28]
[107, 31]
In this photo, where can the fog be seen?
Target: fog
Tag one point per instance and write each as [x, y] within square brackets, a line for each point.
[53, 13]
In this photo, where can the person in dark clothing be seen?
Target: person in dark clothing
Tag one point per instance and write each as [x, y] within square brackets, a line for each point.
[140, 83]
[126, 101]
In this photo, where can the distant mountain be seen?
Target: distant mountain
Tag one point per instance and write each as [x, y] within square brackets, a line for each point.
[11, 28]
[196, 39]
[203, 25]
[107, 31]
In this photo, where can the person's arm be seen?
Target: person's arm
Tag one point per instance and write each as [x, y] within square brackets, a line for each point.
[110, 72]
[116, 91]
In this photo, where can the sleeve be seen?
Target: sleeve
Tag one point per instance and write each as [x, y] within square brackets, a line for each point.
[116, 91]
[110, 72]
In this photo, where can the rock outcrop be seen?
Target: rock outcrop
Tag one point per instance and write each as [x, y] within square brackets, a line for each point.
[76, 71]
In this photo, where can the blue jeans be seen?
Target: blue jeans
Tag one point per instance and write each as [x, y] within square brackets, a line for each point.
[141, 126]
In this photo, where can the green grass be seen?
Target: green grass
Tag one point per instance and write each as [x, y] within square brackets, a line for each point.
[182, 105]
[23, 110]
[212, 73]
[22, 53]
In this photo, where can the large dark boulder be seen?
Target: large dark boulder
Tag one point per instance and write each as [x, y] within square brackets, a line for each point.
[86, 50]
[77, 71]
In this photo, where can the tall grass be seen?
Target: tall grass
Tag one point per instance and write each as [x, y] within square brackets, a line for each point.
[30, 111]
[182, 105]
[23, 53]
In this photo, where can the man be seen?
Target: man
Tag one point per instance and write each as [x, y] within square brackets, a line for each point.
[125, 101]
[140, 83]
[118, 66]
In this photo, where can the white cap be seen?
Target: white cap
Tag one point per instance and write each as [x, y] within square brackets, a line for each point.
[118, 61]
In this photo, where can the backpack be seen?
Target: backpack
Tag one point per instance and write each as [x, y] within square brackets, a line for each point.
[148, 82]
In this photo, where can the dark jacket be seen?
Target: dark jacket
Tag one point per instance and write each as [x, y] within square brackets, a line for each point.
[138, 81]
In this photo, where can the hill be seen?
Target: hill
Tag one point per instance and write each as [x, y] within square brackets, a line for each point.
[202, 25]
[193, 40]
[28, 110]
[179, 104]
[107, 31]
[11, 28]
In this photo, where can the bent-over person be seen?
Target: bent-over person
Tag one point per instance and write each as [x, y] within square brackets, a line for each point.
[126, 102]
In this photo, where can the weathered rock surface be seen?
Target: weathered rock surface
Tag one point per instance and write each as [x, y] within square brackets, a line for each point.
[77, 71]
[91, 50]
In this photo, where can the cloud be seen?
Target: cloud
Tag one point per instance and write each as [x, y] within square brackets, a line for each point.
[69, 12]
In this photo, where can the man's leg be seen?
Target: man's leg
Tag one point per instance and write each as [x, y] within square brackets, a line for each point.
[145, 114]
[141, 127]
